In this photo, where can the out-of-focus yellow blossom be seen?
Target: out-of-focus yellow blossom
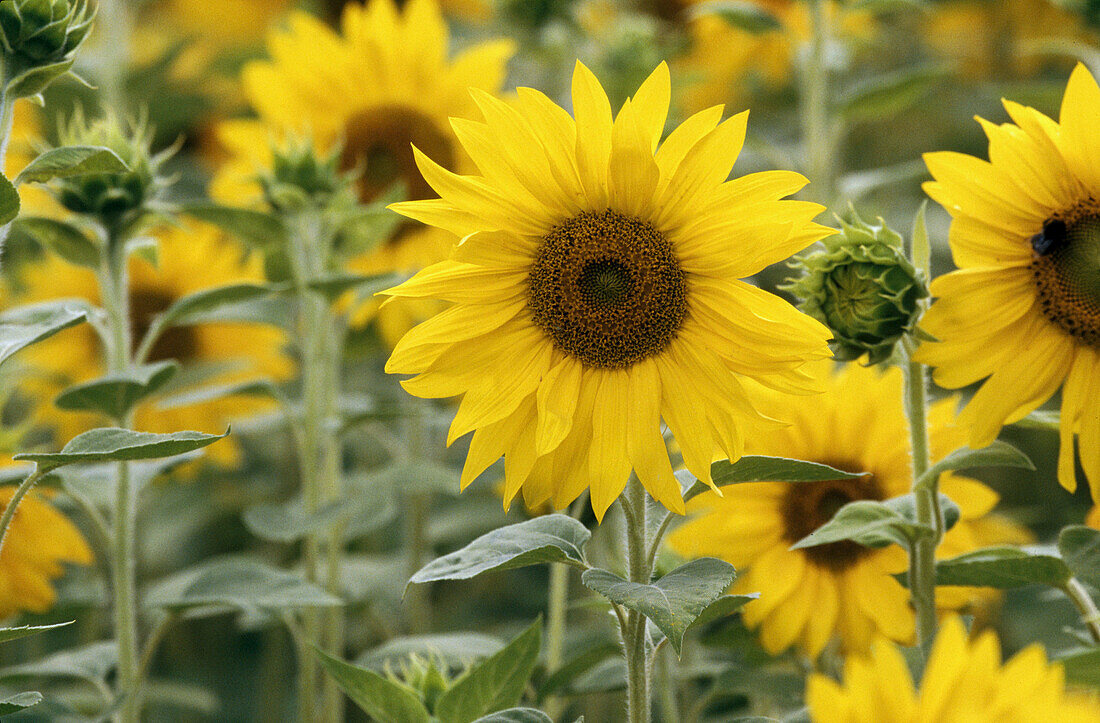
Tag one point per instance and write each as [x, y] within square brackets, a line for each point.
[190, 259]
[964, 682]
[843, 589]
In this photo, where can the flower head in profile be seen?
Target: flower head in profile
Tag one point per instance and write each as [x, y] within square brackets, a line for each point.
[596, 292]
[190, 259]
[382, 85]
[1023, 310]
[963, 681]
[841, 590]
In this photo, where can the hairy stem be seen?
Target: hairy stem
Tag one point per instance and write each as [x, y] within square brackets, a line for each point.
[13, 503]
[818, 133]
[922, 556]
[1081, 599]
[635, 636]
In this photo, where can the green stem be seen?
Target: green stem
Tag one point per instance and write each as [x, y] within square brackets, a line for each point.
[635, 635]
[922, 555]
[416, 504]
[818, 133]
[557, 600]
[13, 504]
[1081, 599]
[115, 24]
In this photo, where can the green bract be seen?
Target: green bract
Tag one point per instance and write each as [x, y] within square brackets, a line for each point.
[863, 288]
[39, 39]
[299, 177]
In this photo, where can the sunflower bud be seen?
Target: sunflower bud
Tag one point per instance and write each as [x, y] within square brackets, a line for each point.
[424, 677]
[863, 288]
[112, 198]
[299, 178]
[39, 39]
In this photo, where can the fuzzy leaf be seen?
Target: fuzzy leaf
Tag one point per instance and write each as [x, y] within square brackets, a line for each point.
[255, 228]
[202, 305]
[334, 285]
[1080, 548]
[675, 601]
[550, 538]
[93, 662]
[762, 469]
[381, 698]
[110, 444]
[116, 395]
[517, 715]
[26, 325]
[69, 161]
[747, 16]
[1082, 667]
[998, 454]
[495, 683]
[288, 522]
[885, 95]
[877, 524]
[1046, 420]
[9, 201]
[35, 80]
[213, 392]
[23, 631]
[455, 649]
[64, 239]
[1002, 567]
[19, 701]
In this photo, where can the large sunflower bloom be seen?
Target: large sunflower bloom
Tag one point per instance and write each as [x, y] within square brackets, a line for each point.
[190, 260]
[1024, 308]
[808, 596]
[38, 542]
[963, 681]
[596, 292]
[381, 87]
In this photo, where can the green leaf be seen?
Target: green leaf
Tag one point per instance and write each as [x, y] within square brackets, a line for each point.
[1046, 420]
[876, 524]
[213, 392]
[578, 666]
[26, 325]
[35, 80]
[998, 454]
[1082, 667]
[747, 16]
[381, 698]
[335, 285]
[1080, 548]
[110, 444]
[455, 649]
[1002, 567]
[23, 631]
[922, 247]
[18, 702]
[675, 601]
[418, 476]
[288, 522]
[723, 607]
[204, 305]
[64, 239]
[255, 228]
[495, 683]
[116, 395]
[517, 715]
[69, 161]
[237, 583]
[365, 230]
[9, 201]
[885, 95]
[93, 663]
[762, 469]
[550, 538]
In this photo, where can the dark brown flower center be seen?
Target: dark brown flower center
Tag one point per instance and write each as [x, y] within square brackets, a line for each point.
[809, 505]
[178, 342]
[379, 143]
[1066, 267]
[608, 289]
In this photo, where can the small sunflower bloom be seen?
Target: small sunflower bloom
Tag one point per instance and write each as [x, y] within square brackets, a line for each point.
[1023, 310]
[39, 543]
[841, 590]
[596, 292]
[963, 681]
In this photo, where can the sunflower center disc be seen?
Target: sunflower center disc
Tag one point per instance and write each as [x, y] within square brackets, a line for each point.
[1066, 267]
[809, 505]
[607, 289]
[178, 342]
[379, 142]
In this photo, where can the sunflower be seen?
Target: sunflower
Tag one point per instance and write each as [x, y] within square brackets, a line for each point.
[596, 292]
[963, 681]
[807, 596]
[724, 59]
[1024, 307]
[225, 23]
[1093, 518]
[381, 87]
[38, 542]
[190, 259]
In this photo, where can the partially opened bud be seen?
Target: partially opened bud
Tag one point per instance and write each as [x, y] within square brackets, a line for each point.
[39, 39]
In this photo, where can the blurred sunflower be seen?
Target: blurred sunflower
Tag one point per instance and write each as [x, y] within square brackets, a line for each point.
[190, 259]
[596, 292]
[724, 59]
[225, 23]
[997, 38]
[963, 681]
[1024, 308]
[39, 542]
[383, 86]
[843, 589]
[1093, 518]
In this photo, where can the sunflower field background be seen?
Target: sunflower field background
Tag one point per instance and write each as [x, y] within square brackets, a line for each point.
[515, 361]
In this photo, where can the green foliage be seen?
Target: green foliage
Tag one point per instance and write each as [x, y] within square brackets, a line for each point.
[333, 286]
[456, 650]
[550, 538]
[1003, 567]
[383, 699]
[62, 238]
[7, 634]
[110, 444]
[115, 395]
[741, 14]
[18, 702]
[754, 468]
[673, 602]
[91, 663]
[997, 454]
[9, 201]
[516, 715]
[1080, 548]
[26, 325]
[880, 97]
[877, 524]
[39, 39]
[260, 230]
[1082, 667]
[70, 162]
